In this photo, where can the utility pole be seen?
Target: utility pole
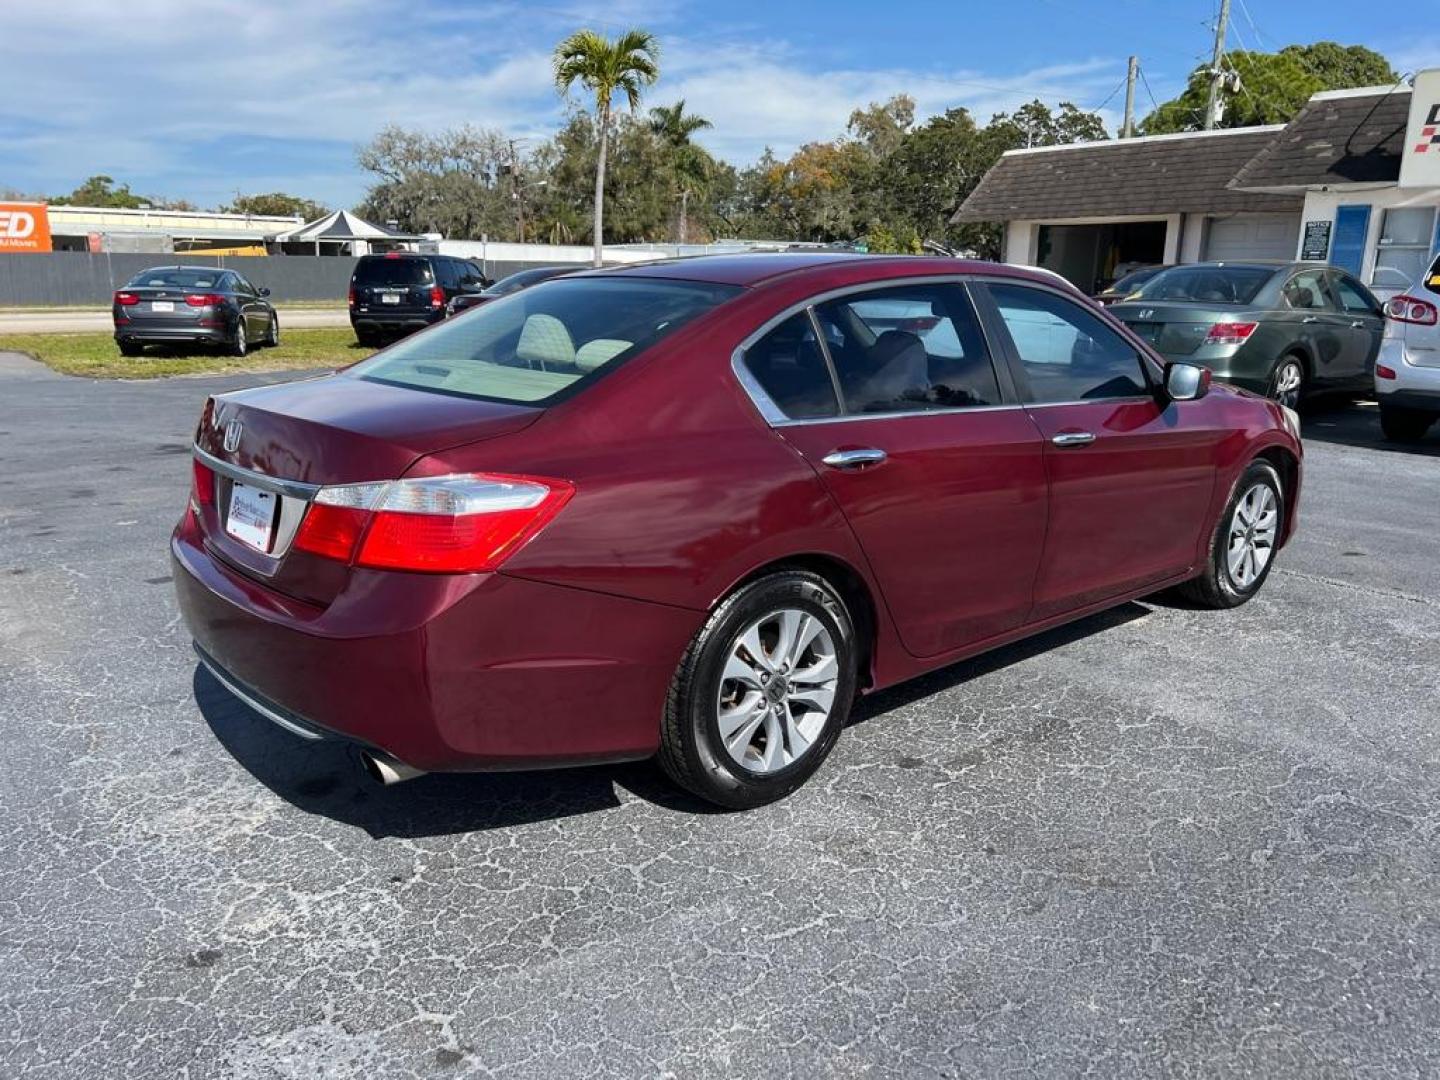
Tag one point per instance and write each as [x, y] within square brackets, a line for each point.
[1127, 130]
[1217, 74]
[517, 193]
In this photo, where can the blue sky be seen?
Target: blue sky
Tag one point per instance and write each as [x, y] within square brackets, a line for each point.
[202, 101]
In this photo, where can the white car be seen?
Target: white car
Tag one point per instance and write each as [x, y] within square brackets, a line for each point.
[1407, 371]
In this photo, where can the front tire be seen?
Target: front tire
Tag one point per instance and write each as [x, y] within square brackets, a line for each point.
[1404, 425]
[762, 693]
[1242, 548]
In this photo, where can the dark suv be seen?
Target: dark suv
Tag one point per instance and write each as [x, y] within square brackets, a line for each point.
[398, 292]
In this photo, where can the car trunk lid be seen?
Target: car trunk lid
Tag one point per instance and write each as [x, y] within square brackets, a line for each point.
[162, 304]
[1175, 328]
[287, 441]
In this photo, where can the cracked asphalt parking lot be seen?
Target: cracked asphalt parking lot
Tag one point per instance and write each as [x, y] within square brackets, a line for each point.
[1160, 842]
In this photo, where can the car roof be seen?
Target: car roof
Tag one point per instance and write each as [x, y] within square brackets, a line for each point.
[759, 268]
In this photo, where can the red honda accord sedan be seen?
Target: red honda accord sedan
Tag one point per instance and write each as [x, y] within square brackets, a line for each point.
[691, 509]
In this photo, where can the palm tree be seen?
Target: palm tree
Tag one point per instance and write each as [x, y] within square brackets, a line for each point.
[604, 67]
[692, 165]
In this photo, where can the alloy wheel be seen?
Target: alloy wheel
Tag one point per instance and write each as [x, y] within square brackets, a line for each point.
[1253, 527]
[1288, 380]
[777, 690]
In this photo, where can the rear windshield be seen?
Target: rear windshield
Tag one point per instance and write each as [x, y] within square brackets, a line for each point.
[1133, 280]
[384, 271]
[175, 279]
[1210, 284]
[523, 280]
[535, 345]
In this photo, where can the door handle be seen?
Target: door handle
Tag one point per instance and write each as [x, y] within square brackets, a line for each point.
[854, 459]
[1310, 318]
[1073, 438]
[1356, 324]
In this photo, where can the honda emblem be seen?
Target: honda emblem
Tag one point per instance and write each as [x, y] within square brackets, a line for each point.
[233, 430]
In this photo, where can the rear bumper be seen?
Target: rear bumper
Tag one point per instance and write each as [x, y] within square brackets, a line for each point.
[1415, 386]
[158, 335]
[443, 673]
[378, 322]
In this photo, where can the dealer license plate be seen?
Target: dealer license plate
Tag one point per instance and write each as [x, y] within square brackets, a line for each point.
[390, 298]
[252, 516]
[162, 305]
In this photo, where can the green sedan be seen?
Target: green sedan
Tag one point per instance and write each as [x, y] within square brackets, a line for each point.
[1281, 329]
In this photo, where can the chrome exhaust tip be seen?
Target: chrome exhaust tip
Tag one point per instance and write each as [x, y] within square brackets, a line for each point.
[386, 770]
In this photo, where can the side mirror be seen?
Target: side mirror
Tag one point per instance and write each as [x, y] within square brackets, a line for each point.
[263, 291]
[1186, 382]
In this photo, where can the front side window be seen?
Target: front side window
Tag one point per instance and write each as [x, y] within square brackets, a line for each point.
[1067, 353]
[907, 349]
[1354, 298]
[534, 346]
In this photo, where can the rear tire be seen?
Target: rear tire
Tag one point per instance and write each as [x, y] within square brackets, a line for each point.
[130, 348]
[1287, 384]
[272, 336]
[1242, 547]
[241, 344]
[762, 693]
[1404, 425]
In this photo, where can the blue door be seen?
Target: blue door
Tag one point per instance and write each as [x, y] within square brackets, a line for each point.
[1347, 248]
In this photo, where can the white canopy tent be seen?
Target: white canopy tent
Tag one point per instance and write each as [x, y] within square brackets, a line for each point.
[348, 234]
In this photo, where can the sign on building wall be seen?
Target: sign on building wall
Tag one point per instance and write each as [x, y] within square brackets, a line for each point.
[1316, 243]
[24, 227]
[1420, 155]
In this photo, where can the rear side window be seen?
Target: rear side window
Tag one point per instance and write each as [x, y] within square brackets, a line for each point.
[790, 367]
[1306, 291]
[908, 349]
[1067, 353]
[536, 345]
[383, 271]
[1353, 296]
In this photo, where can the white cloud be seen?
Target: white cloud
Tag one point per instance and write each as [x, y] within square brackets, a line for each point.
[188, 101]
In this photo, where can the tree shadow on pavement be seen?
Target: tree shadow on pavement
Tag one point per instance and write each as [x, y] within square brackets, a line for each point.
[326, 778]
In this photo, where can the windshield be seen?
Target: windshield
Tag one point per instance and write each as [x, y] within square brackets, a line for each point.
[175, 279]
[533, 346]
[1209, 284]
[383, 271]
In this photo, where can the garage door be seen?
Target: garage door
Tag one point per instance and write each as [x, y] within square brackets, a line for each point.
[1253, 236]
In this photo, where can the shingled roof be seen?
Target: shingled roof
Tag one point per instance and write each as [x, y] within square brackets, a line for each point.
[1342, 137]
[1160, 174]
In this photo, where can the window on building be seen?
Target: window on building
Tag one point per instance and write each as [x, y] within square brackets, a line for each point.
[1404, 248]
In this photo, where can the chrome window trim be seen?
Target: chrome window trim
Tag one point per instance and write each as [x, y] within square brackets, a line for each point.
[293, 488]
[773, 415]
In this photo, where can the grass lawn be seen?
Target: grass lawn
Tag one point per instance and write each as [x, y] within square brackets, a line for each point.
[96, 356]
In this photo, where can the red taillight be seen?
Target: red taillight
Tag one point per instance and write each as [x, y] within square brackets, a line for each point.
[1410, 309]
[204, 483]
[126, 299]
[1383, 372]
[445, 524]
[352, 296]
[1230, 333]
[204, 300]
[332, 531]
[437, 296]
